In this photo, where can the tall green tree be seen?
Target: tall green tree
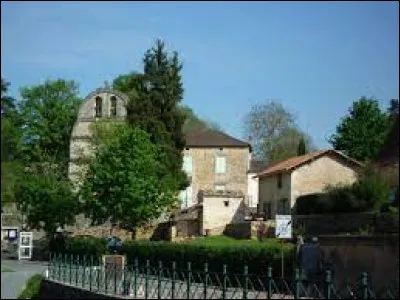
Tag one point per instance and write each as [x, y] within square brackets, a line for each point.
[125, 181]
[11, 133]
[362, 133]
[49, 111]
[301, 149]
[155, 107]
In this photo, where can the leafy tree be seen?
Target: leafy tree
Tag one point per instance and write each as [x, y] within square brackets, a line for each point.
[10, 126]
[155, 109]
[301, 149]
[125, 180]
[362, 133]
[46, 201]
[273, 132]
[49, 112]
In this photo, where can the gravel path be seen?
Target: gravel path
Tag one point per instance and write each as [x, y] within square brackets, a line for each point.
[12, 283]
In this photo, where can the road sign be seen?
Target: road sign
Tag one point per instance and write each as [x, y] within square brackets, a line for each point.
[283, 229]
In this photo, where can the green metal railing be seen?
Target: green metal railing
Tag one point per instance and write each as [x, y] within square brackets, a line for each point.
[160, 280]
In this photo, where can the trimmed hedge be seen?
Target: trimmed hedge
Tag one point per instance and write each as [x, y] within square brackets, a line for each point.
[257, 256]
[81, 246]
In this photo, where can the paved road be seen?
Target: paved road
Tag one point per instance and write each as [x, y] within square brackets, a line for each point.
[12, 283]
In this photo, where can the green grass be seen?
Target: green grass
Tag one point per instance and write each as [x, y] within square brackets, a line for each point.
[32, 288]
[5, 269]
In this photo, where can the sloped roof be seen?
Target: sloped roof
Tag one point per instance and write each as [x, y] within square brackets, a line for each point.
[212, 138]
[297, 161]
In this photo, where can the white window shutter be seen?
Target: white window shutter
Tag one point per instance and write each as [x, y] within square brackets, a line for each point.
[220, 164]
[187, 164]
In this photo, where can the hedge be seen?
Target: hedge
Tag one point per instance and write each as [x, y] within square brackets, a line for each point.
[258, 256]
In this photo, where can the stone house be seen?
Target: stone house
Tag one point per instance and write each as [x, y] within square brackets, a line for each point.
[214, 160]
[281, 183]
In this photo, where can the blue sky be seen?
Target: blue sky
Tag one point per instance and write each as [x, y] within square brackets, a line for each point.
[314, 57]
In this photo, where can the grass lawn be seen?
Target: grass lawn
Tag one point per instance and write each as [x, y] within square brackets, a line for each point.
[5, 269]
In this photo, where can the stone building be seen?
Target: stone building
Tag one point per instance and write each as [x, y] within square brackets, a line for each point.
[282, 183]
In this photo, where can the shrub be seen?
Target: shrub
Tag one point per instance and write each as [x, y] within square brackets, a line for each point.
[32, 288]
[257, 256]
[80, 246]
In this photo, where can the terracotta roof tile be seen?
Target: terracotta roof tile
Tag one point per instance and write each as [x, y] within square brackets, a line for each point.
[297, 161]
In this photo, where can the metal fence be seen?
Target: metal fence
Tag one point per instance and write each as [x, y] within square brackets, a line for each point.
[149, 280]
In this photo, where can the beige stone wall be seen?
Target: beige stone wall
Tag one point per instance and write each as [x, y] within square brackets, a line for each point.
[315, 176]
[216, 214]
[203, 170]
[87, 110]
[270, 193]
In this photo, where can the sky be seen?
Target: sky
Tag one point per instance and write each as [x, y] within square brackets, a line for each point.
[316, 58]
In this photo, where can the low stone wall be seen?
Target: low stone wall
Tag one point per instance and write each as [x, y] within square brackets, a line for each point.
[347, 223]
[251, 230]
[55, 290]
[349, 255]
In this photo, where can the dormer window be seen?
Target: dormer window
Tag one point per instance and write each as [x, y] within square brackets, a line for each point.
[99, 107]
[113, 107]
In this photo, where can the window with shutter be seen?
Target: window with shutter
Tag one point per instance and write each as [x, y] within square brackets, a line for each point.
[220, 164]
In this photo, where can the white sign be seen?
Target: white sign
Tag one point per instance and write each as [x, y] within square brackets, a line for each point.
[283, 229]
[25, 245]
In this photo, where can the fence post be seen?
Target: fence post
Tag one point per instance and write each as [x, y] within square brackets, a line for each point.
[224, 281]
[205, 280]
[297, 283]
[105, 276]
[173, 279]
[269, 279]
[65, 268]
[98, 274]
[159, 274]
[90, 273]
[84, 270]
[115, 277]
[125, 282]
[76, 270]
[246, 281]
[328, 284]
[71, 260]
[364, 283]
[135, 274]
[146, 282]
[189, 275]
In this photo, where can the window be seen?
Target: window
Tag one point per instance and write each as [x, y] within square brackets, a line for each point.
[220, 164]
[186, 197]
[99, 107]
[219, 187]
[113, 107]
[279, 181]
[284, 208]
[188, 164]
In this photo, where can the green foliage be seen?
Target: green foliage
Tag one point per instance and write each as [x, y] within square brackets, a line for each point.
[154, 107]
[258, 256]
[273, 132]
[10, 173]
[32, 288]
[124, 183]
[362, 133]
[89, 246]
[49, 111]
[46, 201]
[301, 148]
[369, 193]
